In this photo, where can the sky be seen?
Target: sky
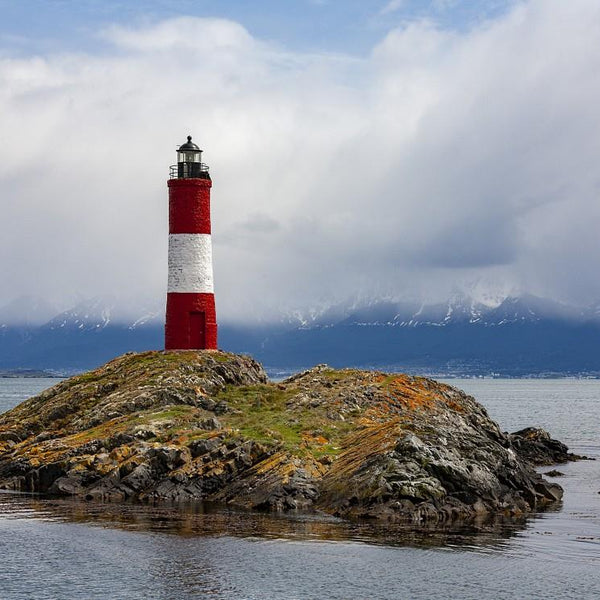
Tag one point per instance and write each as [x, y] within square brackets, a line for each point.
[394, 149]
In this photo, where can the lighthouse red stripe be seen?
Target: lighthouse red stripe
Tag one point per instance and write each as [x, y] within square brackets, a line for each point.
[189, 205]
[191, 322]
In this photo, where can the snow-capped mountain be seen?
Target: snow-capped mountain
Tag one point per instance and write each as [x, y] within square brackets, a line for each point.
[516, 335]
[459, 309]
[524, 335]
[98, 313]
[88, 315]
[84, 336]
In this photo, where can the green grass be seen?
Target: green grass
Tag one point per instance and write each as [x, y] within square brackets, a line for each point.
[198, 434]
[340, 374]
[173, 412]
[90, 377]
[260, 412]
[221, 358]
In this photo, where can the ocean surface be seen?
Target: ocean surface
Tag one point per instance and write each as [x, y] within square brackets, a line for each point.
[68, 549]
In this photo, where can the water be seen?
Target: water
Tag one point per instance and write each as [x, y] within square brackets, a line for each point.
[567, 408]
[16, 389]
[68, 549]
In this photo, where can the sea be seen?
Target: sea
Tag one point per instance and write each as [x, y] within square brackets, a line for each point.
[55, 549]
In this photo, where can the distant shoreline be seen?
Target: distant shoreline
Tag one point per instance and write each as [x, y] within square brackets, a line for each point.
[277, 374]
[29, 374]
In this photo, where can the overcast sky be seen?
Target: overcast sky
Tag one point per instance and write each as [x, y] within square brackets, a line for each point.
[358, 149]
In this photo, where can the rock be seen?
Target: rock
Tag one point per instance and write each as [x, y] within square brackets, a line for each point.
[220, 408]
[139, 479]
[67, 486]
[40, 480]
[179, 426]
[204, 446]
[536, 446]
[549, 491]
[210, 424]
[554, 473]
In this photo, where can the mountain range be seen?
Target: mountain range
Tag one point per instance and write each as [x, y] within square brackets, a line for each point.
[517, 336]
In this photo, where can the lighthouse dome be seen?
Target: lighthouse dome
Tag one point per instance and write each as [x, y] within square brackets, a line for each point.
[189, 146]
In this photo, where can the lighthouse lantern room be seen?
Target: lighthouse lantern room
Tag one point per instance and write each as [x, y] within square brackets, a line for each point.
[189, 162]
[191, 321]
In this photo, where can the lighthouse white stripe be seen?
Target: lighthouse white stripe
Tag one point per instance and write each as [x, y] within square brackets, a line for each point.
[190, 263]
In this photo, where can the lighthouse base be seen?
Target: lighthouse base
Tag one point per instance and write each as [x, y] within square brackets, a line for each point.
[191, 322]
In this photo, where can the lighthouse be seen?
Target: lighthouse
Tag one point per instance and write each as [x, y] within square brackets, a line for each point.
[191, 320]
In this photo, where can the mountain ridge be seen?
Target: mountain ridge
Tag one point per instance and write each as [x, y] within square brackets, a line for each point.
[519, 336]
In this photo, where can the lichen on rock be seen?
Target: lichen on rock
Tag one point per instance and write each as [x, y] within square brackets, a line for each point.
[208, 425]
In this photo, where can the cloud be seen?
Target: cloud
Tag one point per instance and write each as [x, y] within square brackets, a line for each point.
[183, 35]
[392, 6]
[440, 157]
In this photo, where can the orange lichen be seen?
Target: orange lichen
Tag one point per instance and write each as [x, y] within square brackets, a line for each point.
[415, 394]
[309, 439]
[360, 445]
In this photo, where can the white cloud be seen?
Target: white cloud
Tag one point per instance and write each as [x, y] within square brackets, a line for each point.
[392, 6]
[438, 158]
[184, 36]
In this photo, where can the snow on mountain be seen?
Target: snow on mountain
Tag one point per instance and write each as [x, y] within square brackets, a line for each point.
[532, 308]
[88, 315]
[155, 317]
[98, 313]
[490, 294]
[519, 335]
[459, 309]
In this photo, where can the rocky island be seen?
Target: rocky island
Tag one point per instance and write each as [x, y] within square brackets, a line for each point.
[208, 425]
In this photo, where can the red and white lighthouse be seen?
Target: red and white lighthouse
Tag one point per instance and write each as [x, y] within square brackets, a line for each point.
[191, 321]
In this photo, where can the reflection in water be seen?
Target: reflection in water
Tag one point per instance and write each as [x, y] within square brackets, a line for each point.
[198, 519]
[88, 550]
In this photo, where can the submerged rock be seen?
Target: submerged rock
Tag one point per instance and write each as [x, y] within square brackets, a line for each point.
[207, 425]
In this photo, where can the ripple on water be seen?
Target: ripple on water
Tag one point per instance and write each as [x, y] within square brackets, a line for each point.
[69, 549]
